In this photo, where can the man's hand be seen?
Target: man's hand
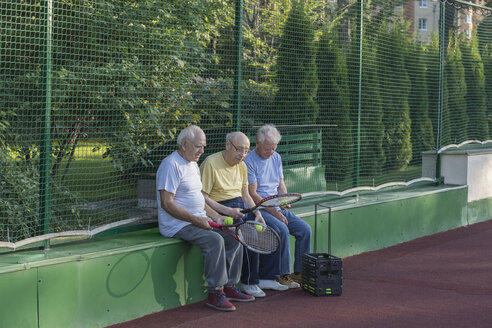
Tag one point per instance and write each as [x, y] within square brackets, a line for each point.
[220, 220]
[259, 217]
[235, 213]
[285, 207]
[278, 215]
[281, 217]
[202, 222]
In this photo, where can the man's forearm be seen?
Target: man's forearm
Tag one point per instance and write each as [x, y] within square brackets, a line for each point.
[211, 213]
[178, 212]
[272, 211]
[217, 207]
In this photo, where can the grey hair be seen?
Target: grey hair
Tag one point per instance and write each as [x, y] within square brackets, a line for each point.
[268, 132]
[189, 133]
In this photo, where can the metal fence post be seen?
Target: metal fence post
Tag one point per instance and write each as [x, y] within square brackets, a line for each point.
[237, 65]
[45, 140]
[359, 32]
[442, 48]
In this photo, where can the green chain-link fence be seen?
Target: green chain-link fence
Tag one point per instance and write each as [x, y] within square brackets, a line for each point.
[93, 94]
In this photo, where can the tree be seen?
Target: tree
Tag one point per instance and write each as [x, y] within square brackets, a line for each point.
[262, 30]
[372, 128]
[485, 46]
[395, 88]
[296, 70]
[487, 67]
[422, 136]
[124, 76]
[475, 96]
[124, 73]
[454, 115]
[484, 35]
[334, 106]
[431, 58]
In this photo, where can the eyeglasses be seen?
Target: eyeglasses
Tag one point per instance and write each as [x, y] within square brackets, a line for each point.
[239, 150]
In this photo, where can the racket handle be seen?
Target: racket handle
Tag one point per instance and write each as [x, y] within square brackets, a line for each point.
[247, 210]
[213, 224]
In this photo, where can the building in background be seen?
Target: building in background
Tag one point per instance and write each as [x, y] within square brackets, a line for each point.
[423, 16]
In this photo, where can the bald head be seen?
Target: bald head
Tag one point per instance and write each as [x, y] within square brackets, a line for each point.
[237, 137]
[237, 147]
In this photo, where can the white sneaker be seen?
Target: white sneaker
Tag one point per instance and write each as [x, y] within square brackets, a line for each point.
[252, 290]
[271, 284]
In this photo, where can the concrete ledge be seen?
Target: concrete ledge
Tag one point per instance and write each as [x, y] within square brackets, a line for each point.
[85, 250]
[99, 282]
[306, 207]
[117, 278]
[373, 221]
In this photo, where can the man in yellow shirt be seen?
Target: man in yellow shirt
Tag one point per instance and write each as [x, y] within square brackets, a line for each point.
[225, 188]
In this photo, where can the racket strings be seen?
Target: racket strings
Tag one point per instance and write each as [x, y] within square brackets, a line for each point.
[279, 201]
[265, 241]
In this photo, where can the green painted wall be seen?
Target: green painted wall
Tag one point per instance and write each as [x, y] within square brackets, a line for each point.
[376, 222]
[121, 277]
[101, 287]
[18, 299]
[121, 287]
[480, 210]
[378, 226]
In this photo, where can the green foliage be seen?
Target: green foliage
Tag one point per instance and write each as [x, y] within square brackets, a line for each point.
[123, 72]
[127, 75]
[395, 89]
[478, 128]
[455, 118]
[212, 100]
[484, 35]
[19, 204]
[487, 67]
[431, 58]
[296, 70]
[258, 99]
[262, 30]
[372, 129]
[422, 135]
[333, 101]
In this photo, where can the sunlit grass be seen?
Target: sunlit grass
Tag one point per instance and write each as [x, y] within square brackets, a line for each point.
[93, 178]
[89, 151]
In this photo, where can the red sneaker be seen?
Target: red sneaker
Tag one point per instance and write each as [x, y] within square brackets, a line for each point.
[234, 294]
[219, 301]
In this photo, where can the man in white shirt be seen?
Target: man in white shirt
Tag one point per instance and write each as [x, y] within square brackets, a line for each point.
[183, 213]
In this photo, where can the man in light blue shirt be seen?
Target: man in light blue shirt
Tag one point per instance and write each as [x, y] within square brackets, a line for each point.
[265, 178]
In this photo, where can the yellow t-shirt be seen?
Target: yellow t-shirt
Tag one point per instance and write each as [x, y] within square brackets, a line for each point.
[222, 181]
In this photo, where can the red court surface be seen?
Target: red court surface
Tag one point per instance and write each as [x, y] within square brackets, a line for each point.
[444, 280]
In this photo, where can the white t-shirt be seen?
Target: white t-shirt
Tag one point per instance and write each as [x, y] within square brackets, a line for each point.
[181, 178]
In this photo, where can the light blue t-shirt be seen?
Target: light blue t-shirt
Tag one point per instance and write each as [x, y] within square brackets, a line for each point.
[181, 178]
[265, 172]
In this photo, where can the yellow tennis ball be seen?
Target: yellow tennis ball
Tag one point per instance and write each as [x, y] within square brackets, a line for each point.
[259, 227]
[228, 221]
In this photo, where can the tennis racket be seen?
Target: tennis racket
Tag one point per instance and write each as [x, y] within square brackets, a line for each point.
[255, 236]
[274, 201]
